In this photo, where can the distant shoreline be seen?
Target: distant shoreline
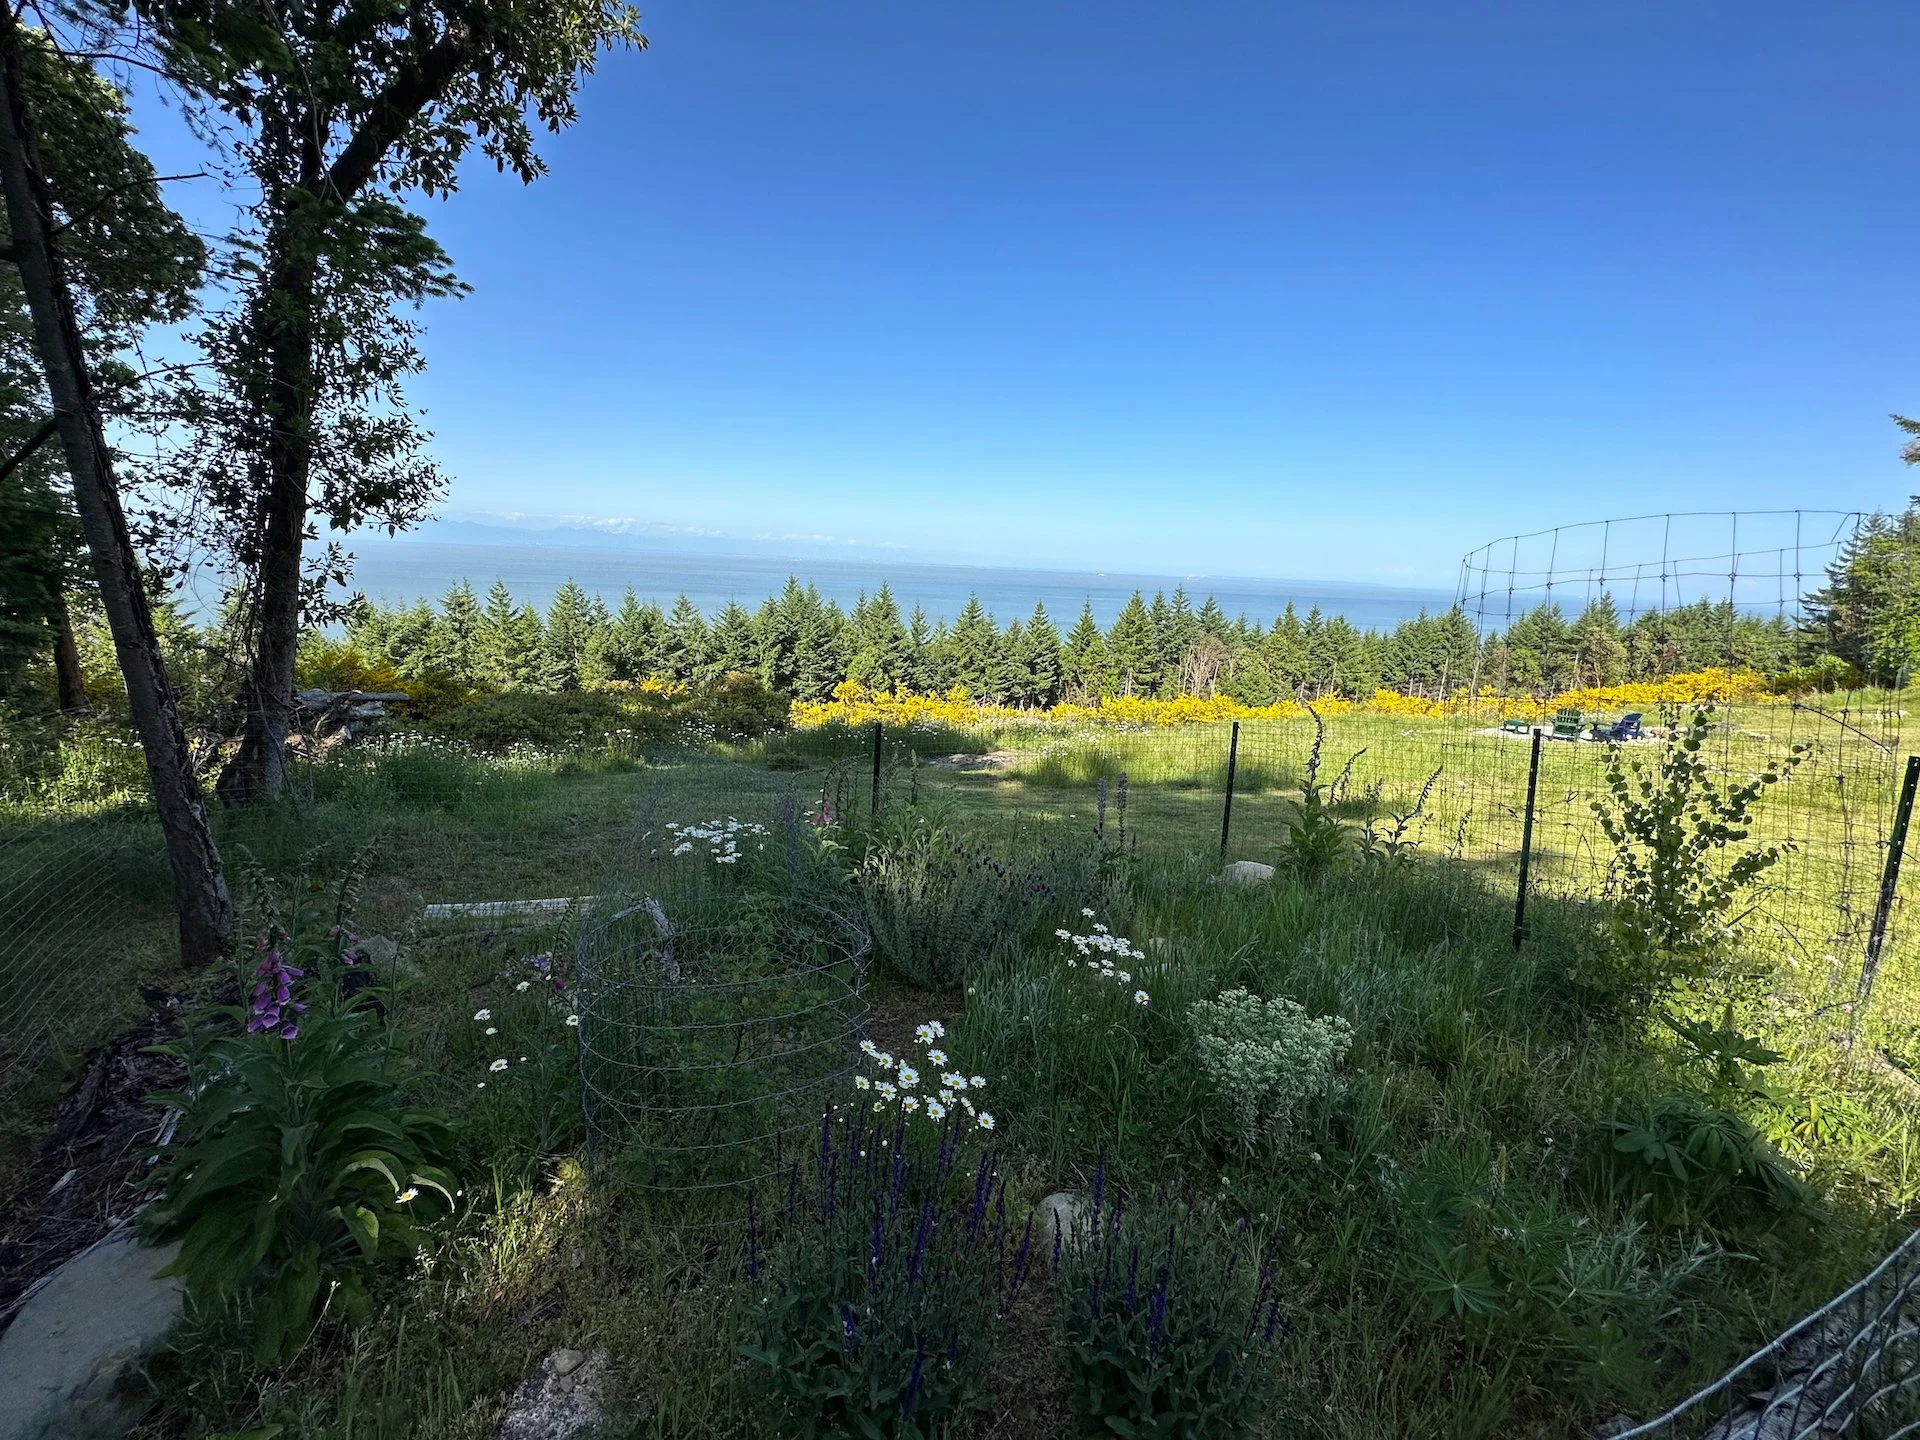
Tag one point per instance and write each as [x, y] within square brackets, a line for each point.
[393, 572]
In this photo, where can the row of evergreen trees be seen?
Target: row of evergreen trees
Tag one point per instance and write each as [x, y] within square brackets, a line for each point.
[803, 645]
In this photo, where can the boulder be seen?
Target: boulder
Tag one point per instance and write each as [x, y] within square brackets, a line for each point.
[68, 1362]
[1244, 872]
[560, 1400]
[1064, 1208]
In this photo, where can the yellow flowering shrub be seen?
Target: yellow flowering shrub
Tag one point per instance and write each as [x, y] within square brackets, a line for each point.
[853, 704]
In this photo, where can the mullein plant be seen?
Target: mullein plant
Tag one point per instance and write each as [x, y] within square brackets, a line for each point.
[880, 1270]
[1167, 1321]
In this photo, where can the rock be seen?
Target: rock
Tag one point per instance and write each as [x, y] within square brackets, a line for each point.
[1607, 1429]
[1069, 1209]
[1244, 872]
[66, 1360]
[556, 1403]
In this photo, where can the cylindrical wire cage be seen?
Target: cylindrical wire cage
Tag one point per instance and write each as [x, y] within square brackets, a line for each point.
[712, 1035]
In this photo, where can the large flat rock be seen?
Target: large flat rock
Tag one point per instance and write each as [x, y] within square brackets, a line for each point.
[65, 1360]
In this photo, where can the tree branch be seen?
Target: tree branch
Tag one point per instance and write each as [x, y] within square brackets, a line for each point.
[46, 431]
[396, 107]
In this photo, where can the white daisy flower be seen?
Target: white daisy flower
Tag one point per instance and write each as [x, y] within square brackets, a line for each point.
[483, 1015]
[936, 1111]
[954, 1081]
[860, 1082]
[888, 1089]
[984, 1120]
[410, 1193]
[936, 1057]
[523, 985]
[573, 1020]
[909, 1077]
[976, 1083]
[498, 1065]
[1140, 997]
[910, 1104]
[1086, 914]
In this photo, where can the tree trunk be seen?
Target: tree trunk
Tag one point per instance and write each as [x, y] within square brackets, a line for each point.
[200, 890]
[285, 396]
[68, 679]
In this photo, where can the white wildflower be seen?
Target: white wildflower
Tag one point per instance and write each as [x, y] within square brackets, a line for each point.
[498, 1065]
[483, 1015]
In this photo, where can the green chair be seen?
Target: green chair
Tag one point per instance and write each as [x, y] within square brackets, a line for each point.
[1516, 726]
[1566, 724]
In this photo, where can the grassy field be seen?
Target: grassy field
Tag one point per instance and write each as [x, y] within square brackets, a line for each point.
[1465, 1252]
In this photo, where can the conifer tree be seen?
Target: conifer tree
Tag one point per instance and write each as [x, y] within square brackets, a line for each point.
[565, 643]
[634, 642]
[1042, 663]
[1285, 653]
[732, 647]
[1599, 654]
[494, 642]
[458, 635]
[1012, 682]
[685, 655]
[919, 671]
[973, 651]
[1133, 649]
[1085, 670]
[880, 646]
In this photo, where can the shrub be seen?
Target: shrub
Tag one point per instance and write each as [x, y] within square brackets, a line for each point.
[574, 720]
[1265, 1057]
[1165, 1322]
[298, 1168]
[937, 904]
[1680, 862]
[738, 707]
[879, 1305]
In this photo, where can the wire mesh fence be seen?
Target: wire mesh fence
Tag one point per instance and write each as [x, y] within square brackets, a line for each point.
[1851, 1368]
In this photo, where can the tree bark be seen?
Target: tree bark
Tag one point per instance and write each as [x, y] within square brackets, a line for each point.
[200, 889]
[70, 682]
[285, 398]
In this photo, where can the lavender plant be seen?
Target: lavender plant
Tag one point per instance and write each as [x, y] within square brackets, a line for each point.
[938, 904]
[881, 1279]
[1167, 1322]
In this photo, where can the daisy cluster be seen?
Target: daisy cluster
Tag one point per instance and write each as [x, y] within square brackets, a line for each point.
[1102, 953]
[941, 1091]
[720, 838]
[484, 1016]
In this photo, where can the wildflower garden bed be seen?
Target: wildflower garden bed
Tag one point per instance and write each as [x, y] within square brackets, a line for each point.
[1332, 1157]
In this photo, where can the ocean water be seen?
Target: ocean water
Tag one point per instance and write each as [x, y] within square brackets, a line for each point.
[400, 571]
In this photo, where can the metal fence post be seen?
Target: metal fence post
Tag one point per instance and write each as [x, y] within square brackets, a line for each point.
[876, 770]
[1526, 844]
[1889, 887]
[1226, 809]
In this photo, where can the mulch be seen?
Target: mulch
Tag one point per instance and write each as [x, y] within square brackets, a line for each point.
[91, 1171]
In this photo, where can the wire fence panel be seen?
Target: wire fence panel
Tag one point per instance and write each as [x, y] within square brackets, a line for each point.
[1852, 1368]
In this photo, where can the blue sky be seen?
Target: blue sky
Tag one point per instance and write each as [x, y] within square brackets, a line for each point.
[1307, 289]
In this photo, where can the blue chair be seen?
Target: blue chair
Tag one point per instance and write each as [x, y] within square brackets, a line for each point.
[1627, 727]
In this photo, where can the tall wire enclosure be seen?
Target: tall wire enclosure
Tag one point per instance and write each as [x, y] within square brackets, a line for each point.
[1602, 616]
[721, 1005]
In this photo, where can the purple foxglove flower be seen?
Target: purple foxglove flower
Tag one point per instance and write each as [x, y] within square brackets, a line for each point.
[289, 1031]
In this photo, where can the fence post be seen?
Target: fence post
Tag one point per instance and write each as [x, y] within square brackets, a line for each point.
[875, 811]
[1526, 844]
[1889, 886]
[1226, 810]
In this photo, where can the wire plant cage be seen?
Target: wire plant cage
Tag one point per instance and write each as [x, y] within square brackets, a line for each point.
[717, 1023]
